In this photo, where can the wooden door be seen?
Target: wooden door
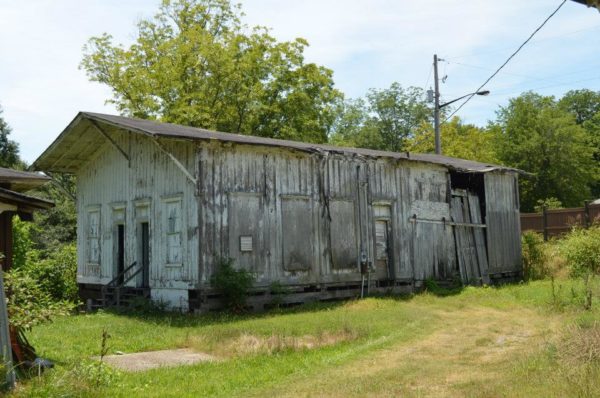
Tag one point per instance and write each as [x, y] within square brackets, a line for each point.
[382, 249]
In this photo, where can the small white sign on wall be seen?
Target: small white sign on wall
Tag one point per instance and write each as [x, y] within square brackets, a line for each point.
[246, 243]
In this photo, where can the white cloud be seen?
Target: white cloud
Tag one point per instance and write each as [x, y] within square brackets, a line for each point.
[366, 43]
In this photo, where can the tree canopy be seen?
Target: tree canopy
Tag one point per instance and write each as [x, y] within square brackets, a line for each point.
[385, 119]
[9, 150]
[537, 135]
[459, 140]
[196, 64]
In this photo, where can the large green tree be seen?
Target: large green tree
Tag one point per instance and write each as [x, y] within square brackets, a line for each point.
[534, 134]
[459, 140]
[9, 150]
[385, 119]
[195, 63]
[585, 106]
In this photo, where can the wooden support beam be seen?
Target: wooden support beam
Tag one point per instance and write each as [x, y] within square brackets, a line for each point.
[5, 347]
[176, 161]
[451, 223]
[109, 138]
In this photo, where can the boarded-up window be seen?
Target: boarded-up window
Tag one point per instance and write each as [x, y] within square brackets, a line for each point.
[245, 235]
[344, 248]
[173, 229]
[93, 236]
[297, 228]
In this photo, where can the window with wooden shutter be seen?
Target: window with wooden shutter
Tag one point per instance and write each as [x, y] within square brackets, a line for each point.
[173, 229]
[93, 236]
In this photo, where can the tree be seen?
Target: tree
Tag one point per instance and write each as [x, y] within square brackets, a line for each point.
[9, 150]
[55, 227]
[532, 133]
[459, 140]
[386, 119]
[196, 64]
[585, 106]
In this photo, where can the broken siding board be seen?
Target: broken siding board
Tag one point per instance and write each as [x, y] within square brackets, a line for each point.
[478, 233]
[465, 244]
[433, 245]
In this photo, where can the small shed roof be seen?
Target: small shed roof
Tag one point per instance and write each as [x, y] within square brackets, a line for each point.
[81, 138]
[21, 181]
[21, 202]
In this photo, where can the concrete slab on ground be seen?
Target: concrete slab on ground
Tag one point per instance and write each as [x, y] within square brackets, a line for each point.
[140, 361]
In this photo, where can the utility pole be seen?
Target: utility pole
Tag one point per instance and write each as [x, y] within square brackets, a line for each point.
[436, 107]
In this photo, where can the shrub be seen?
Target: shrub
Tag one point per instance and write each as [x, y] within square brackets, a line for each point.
[549, 203]
[29, 305]
[55, 271]
[22, 243]
[535, 260]
[581, 249]
[56, 274]
[233, 284]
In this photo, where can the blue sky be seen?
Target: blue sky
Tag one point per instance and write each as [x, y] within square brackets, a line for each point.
[367, 43]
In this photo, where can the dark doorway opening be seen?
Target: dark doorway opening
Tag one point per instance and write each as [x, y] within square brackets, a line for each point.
[120, 252]
[145, 253]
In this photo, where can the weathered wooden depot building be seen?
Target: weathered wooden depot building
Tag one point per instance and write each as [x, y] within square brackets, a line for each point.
[159, 204]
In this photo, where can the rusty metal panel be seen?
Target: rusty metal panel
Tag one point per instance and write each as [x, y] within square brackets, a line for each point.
[503, 222]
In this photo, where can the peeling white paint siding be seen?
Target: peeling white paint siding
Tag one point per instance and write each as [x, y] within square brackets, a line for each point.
[288, 216]
[150, 177]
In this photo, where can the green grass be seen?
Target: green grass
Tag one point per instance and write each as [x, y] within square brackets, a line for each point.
[387, 346]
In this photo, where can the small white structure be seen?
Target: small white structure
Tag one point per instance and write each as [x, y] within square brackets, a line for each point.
[175, 199]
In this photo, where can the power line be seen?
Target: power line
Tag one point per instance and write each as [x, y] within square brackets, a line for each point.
[428, 77]
[495, 51]
[551, 78]
[508, 60]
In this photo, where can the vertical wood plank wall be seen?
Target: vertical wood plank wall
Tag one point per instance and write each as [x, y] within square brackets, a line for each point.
[503, 222]
[109, 181]
[245, 190]
[334, 185]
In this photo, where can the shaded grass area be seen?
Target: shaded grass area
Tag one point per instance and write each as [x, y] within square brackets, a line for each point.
[502, 339]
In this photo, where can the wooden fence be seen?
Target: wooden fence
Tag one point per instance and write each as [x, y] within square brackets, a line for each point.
[556, 222]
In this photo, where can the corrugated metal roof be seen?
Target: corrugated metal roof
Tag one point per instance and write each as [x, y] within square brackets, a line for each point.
[168, 130]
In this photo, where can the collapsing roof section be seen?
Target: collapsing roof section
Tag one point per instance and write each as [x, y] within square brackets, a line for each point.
[85, 135]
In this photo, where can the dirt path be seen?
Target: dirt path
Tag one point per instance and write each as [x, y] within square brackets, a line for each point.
[469, 355]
